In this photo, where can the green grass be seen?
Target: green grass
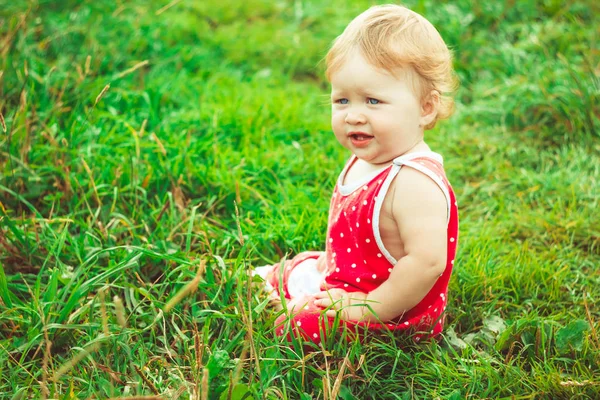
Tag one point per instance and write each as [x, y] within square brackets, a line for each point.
[125, 195]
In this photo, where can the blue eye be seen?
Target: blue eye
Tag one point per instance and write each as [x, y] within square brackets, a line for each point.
[371, 100]
[342, 101]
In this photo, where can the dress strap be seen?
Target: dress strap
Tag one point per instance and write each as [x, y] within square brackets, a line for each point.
[420, 154]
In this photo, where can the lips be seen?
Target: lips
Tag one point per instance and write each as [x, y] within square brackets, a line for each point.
[360, 139]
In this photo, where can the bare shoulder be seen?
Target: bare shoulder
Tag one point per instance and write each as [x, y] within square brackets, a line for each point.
[412, 187]
[419, 209]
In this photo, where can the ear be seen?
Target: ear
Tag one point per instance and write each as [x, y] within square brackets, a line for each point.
[429, 107]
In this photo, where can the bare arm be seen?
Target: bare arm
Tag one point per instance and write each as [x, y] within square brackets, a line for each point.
[420, 211]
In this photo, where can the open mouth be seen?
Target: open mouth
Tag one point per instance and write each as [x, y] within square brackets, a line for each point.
[360, 137]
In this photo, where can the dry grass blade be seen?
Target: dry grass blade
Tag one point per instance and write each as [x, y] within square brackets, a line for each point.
[2, 122]
[247, 319]
[114, 375]
[326, 388]
[237, 222]
[340, 377]
[45, 362]
[92, 182]
[326, 377]
[178, 393]
[189, 288]
[120, 311]
[276, 392]
[591, 321]
[132, 69]
[146, 380]
[204, 385]
[11, 34]
[99, 97]
[576, 383]
[199, 350]
[143, 127]
[102, 295]
[238, 368]
[165, 8]
[159, 144]
[88, 61]
[66, 367]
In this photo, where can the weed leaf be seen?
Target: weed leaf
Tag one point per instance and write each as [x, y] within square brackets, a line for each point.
[571, 336]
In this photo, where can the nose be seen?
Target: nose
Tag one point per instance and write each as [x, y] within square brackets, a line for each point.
[355, 118]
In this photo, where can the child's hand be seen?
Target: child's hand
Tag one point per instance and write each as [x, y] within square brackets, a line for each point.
[349, 305]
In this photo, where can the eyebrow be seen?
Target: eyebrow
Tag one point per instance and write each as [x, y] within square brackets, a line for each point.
[364, 93]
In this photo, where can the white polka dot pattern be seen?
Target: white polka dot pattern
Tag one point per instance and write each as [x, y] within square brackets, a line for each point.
[352, 239]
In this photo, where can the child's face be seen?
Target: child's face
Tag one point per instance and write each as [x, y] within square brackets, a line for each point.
[374, 114]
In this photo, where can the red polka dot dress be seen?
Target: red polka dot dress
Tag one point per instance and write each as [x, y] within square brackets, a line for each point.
[357, 260]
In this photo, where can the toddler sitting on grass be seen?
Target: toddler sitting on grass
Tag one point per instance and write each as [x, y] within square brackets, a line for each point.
[393, 221]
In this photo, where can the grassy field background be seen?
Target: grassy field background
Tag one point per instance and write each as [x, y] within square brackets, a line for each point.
[147, 146]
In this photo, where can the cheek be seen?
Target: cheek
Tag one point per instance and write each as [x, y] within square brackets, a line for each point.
[411, 108]
[337, 121]
[387, 122]
[399, 119]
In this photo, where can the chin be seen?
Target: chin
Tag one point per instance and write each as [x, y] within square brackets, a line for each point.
[371, 159]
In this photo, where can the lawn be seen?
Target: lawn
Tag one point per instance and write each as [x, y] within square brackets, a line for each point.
[151, 152]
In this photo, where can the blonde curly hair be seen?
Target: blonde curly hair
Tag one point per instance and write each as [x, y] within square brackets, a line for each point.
[392, 37]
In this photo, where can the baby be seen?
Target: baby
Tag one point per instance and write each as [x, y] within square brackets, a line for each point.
[393, 221]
